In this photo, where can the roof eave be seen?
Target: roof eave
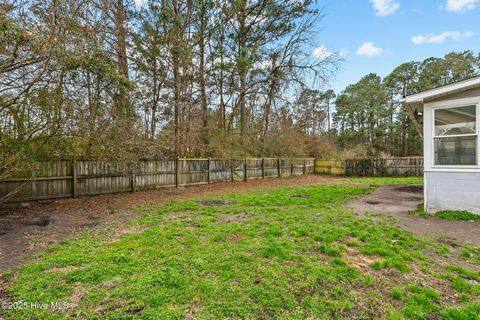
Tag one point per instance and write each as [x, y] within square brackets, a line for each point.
[443, 91]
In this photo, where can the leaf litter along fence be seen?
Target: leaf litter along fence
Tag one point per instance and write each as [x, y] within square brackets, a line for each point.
[72, 178]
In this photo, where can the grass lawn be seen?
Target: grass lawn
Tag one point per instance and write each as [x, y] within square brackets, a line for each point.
[290, 253]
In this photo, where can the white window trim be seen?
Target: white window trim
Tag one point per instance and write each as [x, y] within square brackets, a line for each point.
[450, 104]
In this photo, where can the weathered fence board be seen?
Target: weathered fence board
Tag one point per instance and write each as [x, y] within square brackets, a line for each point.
[60, 179]
[334, 167]
[408, 166]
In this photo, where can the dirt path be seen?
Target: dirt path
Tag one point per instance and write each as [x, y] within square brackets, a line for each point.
[25, 230]
[397, 200]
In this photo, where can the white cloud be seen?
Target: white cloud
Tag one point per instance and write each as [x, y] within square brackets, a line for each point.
[322, 52]
[369, 49]
[460, 6]
[442, 37]
[385, 7]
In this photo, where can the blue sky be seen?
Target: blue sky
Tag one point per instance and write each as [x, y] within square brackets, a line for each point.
[378, 35]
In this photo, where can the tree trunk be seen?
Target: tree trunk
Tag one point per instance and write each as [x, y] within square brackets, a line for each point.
[203, 90]
[242, 52]
[222, 101]
[328, 117]
[270, 98]
[266, 117]
[177, 104]
[121, 100]
[155, 93]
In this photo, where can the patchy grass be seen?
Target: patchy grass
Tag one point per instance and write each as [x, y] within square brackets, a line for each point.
[388, 180]
[446, 215]
[420, 212]
[265, 254]
[457, 215]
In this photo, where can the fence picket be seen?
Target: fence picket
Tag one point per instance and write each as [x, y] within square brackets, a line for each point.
[408, 166]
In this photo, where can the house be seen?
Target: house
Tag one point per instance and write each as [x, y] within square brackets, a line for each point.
[450, 118]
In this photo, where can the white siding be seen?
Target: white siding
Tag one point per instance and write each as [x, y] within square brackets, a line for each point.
[452, 191]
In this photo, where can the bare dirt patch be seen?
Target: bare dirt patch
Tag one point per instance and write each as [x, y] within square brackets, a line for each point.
[361, 261]
[76, 296]
[110, 283]
[217, 203]
[387, 279]
[65, 269]
[24, 228]
[396, 201]
[234, 237]
[40, 222]
[301, 196]
[410, 189]
[239, 217]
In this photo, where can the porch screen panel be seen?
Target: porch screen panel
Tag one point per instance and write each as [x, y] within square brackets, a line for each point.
[455, 139]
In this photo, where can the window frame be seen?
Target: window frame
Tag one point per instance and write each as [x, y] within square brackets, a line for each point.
[456, 104]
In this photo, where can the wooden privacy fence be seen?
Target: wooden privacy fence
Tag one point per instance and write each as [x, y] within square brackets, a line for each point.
[407, 166]
[61, 179]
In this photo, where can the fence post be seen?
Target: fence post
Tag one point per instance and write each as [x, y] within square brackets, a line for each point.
[132, 181]
[291, 169]
[232, 170]
[263, 168]
[177, 172]
[416, 166]
[304, 166]
[279, 168]
[245, 170]
[209, 171]
[74, 177]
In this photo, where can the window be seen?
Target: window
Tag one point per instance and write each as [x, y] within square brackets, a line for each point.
[455, 136]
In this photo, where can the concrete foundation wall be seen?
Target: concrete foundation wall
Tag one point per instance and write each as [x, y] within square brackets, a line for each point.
[452, 191]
